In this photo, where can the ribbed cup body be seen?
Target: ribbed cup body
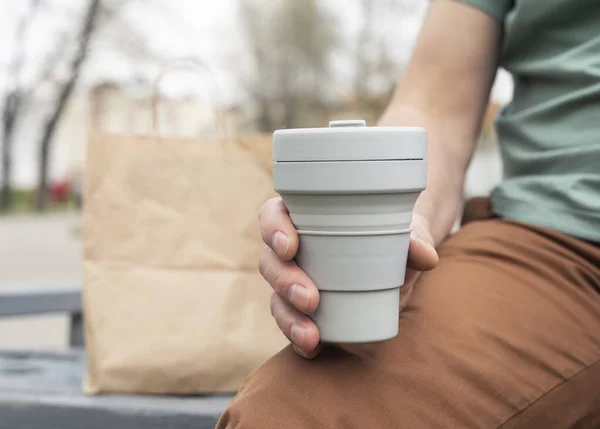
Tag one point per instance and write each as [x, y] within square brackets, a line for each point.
[353, 218]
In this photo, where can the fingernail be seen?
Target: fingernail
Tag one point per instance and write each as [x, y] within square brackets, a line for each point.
[297, 333]
[300, 351]
[431, 247]
[281, 243]
[424, 242]
[299, 296]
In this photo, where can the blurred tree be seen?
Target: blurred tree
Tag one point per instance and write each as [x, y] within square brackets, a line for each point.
[290, 44]
[13, 101]
[65, 90]
[94, 23]
[376, 69]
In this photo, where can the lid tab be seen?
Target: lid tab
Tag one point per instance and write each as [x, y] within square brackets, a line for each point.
[348, 123]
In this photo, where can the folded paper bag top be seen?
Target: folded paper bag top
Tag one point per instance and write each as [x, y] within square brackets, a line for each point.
[350, 190]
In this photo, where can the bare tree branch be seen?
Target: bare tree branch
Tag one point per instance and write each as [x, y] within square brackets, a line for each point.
[64, 95]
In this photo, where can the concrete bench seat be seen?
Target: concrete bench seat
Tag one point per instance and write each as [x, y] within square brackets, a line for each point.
[41, 389]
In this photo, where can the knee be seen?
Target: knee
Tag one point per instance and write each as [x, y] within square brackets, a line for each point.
[250, 410]
[291, 392]
[272, 396]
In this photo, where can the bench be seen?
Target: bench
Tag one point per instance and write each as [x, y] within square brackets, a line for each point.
[41, 389]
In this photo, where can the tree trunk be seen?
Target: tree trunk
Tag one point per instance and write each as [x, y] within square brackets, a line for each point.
[64, 95]
[7, 145]
[6, 191]
[289, 111]
[264, 117]
[288, 98]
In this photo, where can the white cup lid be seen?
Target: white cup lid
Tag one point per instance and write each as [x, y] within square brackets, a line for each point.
[349, 141]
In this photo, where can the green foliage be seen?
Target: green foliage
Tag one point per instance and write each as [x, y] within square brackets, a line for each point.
[24, 201]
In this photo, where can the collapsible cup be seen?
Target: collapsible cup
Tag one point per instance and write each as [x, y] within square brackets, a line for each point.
[350, 190]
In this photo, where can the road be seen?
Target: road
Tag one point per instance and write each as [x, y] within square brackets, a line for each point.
[41, 251]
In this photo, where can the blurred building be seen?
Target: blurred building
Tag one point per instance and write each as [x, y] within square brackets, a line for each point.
[127, 109]
[119, 108]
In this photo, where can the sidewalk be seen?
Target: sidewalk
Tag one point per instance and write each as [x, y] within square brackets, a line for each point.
[39, 251]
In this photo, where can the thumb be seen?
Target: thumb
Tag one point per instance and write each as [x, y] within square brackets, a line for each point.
[422, 255]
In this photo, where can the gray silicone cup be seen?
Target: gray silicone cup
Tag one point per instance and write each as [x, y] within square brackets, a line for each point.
[353, 219]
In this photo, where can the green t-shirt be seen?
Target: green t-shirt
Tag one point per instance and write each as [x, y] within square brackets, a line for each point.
[549, 134]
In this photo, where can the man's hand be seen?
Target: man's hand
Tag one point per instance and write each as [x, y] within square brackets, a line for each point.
[295, 295]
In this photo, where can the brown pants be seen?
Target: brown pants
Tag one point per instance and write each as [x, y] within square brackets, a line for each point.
[504, 333]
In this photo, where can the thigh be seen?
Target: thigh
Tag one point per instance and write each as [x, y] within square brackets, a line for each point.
[505, 332]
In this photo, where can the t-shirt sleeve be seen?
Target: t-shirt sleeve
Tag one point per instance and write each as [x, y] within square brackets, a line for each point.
[496, 8]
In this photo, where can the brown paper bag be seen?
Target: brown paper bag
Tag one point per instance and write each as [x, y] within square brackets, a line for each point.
[173, 300]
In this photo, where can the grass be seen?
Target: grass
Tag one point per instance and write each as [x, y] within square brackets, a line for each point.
[24, 201]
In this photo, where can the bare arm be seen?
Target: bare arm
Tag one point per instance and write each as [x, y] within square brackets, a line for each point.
[445, 89]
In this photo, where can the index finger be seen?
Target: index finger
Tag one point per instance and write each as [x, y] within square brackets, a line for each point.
[277, 229]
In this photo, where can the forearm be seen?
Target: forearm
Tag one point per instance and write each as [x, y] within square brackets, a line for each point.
[445, 89]
[448, 156]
